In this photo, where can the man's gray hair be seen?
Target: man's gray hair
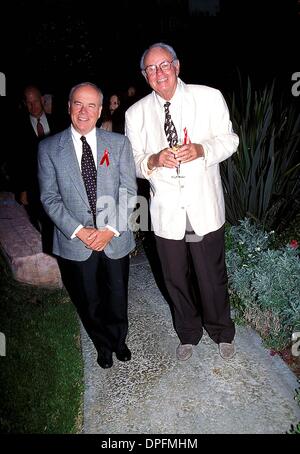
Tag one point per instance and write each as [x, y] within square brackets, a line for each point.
[84, 84]
[162, 46]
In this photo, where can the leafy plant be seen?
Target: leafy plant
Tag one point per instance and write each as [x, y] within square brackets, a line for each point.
[262, 179]
[296, 429]
[266, 282]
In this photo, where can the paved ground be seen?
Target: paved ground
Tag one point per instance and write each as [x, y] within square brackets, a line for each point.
[155, 394]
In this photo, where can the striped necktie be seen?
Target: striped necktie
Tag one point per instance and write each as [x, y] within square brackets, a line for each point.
[39, 128]
[169, 127]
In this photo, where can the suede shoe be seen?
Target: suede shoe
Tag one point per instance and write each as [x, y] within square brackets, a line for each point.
[123, 354]
[184, 351]
[227, 350]
[105, 360]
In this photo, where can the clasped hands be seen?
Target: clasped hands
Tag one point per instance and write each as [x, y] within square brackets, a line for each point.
[95, 239]
[167, 158]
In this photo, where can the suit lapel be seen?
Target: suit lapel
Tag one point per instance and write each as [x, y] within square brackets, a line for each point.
[70, 163]
[188, 111]
[154, 131]
[156, 121]
[102, 173]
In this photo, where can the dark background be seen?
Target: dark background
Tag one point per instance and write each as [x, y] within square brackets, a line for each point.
[58, 43]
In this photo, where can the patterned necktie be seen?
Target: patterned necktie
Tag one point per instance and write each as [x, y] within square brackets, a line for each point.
[39, 128]
[89, 175]
[169, 126]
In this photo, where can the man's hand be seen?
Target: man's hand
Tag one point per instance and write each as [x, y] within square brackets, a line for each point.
[87, 235]
[23, 198]
[189, 152]
[95, 239]
[165, 158]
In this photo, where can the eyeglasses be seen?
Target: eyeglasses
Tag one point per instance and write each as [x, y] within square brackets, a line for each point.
[163, 66]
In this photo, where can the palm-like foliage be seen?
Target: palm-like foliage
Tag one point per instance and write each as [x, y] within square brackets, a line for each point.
[262, 180]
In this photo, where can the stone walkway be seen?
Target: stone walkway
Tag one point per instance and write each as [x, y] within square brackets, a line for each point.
[155, 394]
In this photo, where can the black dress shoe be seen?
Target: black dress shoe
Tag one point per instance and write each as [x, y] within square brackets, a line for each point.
[123, 354]
[105, 360]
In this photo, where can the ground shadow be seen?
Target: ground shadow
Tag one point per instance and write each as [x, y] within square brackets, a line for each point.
[149, 244]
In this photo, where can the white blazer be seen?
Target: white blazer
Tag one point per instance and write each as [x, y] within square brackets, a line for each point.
[200, 193]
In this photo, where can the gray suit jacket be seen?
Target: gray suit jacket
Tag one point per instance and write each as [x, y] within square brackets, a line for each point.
[64, 196]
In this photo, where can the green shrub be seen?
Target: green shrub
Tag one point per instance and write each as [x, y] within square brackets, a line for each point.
[295, 429]
[262, 179]
[266, 282]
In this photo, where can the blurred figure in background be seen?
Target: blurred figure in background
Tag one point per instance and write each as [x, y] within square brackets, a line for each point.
[47, 102]
[113, 116]
[33, 125]
[131, 97]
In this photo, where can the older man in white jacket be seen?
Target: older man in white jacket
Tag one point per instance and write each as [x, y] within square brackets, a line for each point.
[187, 203]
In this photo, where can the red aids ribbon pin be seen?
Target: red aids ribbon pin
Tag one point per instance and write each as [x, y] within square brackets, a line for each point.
[105, 157]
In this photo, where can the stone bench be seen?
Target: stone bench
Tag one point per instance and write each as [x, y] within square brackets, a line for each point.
[21, 244]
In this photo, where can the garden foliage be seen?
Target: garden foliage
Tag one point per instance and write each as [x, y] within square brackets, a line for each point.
[265, 283]
[262, 179]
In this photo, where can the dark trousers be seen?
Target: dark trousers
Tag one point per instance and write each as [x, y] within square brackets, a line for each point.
[40, 220]
[196, 279]
[98, 287]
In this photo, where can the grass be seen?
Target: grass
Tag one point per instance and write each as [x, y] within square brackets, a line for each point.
[41, 375]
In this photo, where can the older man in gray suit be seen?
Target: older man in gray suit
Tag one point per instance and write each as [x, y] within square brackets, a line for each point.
[88, 184]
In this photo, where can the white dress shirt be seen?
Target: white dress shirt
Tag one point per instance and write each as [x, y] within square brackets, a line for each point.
[43, 121]
[92, 141]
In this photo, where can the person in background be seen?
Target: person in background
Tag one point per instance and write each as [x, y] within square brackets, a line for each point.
[131, 91]
[114, 103]
[33, 125]
[113, 116]
[87, 178]
[179, 134]
[47, 102]
[131, 97]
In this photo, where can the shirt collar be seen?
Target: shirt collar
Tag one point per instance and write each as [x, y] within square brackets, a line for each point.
[35, 119]
[90, 136]
[174, 98]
